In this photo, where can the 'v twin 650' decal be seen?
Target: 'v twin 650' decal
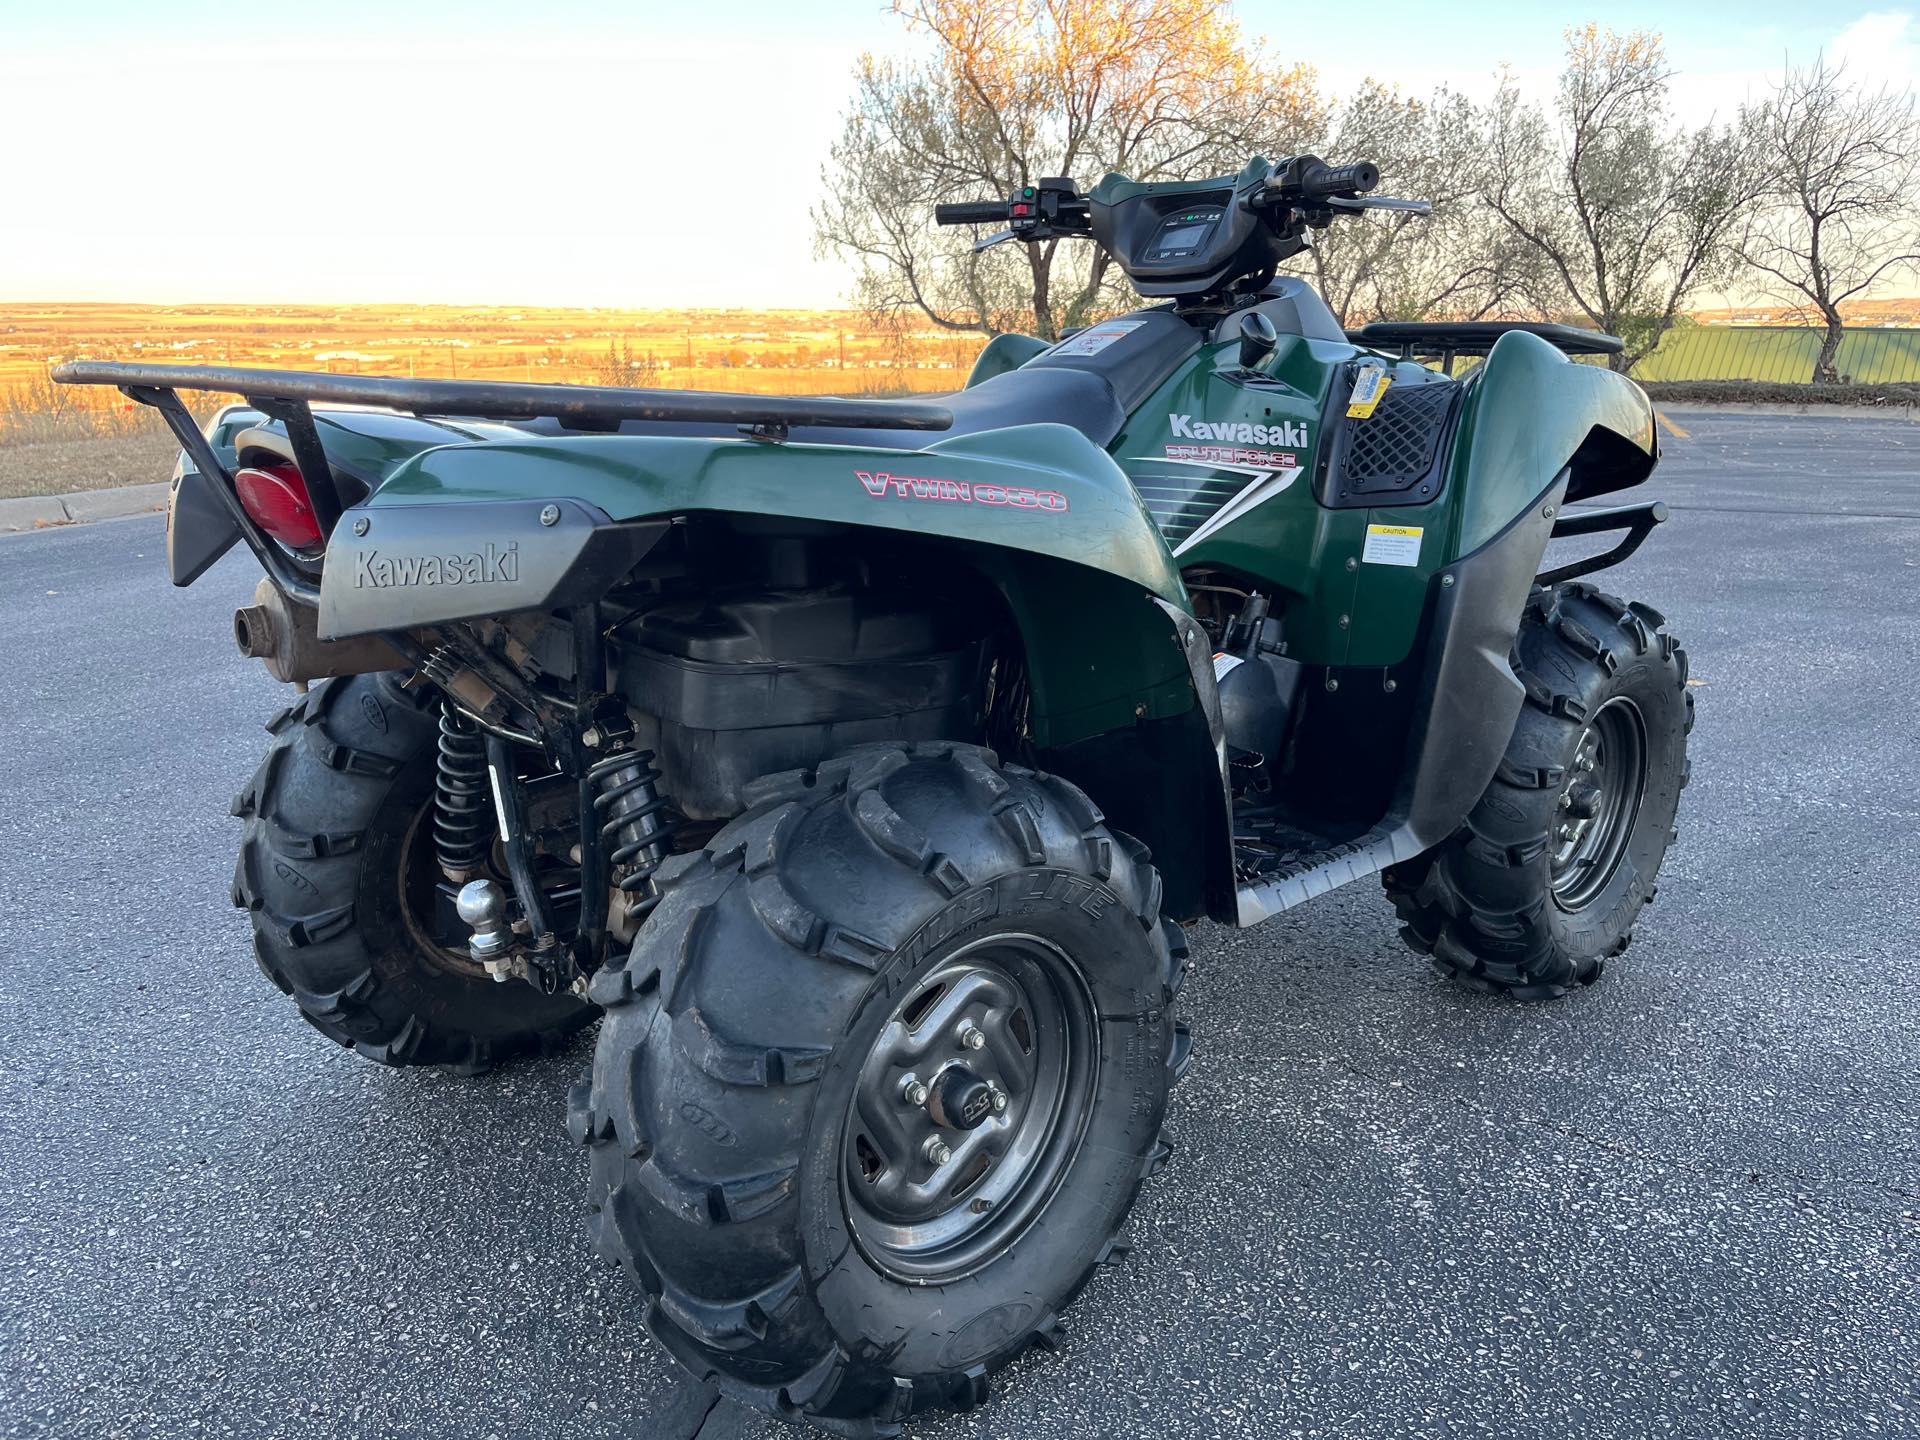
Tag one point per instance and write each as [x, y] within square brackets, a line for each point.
[882, 486]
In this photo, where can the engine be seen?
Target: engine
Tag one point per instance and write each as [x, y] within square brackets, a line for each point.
[759, 677]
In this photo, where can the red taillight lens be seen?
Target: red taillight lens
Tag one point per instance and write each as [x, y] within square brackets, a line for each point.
[276, 497]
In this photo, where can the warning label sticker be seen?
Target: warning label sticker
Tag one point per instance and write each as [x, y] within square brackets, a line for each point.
[1368, 386]
[1392, 545]
[1095, 338]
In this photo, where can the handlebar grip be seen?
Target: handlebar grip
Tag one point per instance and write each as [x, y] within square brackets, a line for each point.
[972, 212]
[1325, 180]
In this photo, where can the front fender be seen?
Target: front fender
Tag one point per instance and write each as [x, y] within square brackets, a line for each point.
[1532, 413]
[1536, 431]
[1529, 420]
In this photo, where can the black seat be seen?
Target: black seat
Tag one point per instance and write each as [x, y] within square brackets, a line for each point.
[1021, 397]
[1028, 396]
[1088, 381]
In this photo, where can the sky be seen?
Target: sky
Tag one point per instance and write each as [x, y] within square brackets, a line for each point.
[589, 152]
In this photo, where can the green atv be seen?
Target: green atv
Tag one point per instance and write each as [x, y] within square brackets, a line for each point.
[858, 761]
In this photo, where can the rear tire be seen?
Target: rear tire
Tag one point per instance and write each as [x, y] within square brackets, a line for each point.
[1545, 880]
[334, 815]
[754, 1025]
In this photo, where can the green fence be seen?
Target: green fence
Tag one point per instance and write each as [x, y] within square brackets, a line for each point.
[1782, 354]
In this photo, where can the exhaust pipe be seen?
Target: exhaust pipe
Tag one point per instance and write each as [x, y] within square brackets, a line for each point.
[284, 637]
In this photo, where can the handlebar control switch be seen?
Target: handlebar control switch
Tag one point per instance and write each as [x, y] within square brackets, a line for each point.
[1258, 339]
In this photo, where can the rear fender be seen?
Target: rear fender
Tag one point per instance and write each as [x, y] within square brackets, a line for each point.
[1039, 510]
[363, 447]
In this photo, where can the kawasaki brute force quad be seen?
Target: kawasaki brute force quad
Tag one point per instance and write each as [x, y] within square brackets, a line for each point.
[857, 761]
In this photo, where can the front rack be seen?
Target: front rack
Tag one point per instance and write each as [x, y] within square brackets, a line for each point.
[289, 396]
[1446, 340]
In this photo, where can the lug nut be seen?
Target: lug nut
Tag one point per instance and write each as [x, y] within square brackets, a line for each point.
[972, 1036]
[936, 1151]
[999, 1101]
[913, 1091]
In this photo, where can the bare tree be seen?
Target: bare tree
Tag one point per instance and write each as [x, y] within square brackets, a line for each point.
[1013, 91]
[1839, 214]
[1462, 262]
[622, 366]
[1629, 215]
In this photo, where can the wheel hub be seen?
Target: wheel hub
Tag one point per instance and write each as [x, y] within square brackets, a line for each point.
[968, 1107]
[962, 1100]
[1601, 801]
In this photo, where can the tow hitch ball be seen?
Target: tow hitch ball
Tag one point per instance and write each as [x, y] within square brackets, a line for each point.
[482, 904]
[482, 907]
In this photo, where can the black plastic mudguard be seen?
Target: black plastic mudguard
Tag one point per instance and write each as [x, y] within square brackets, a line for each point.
[394, 567]
[200, 528]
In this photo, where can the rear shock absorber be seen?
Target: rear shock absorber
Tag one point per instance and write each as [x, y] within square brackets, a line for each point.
[462, 803]
[637, 823]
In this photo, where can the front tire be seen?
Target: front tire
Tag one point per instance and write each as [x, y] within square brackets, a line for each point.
[335, 869]
[1544, 881]
[764, 1162]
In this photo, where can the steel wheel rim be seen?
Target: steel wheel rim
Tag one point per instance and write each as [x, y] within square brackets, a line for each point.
[1594, 821]
[928, 1220]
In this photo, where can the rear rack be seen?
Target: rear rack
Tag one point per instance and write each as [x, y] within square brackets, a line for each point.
[289, 395]
[1444, 340]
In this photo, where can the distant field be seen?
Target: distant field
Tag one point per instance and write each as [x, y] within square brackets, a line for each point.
[776, 351]
[54, 439]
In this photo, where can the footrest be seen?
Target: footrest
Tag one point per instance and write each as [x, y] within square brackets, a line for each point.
[1279, 878]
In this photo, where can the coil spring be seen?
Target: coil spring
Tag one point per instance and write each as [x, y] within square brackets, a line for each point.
[636, 823]
[462, 833]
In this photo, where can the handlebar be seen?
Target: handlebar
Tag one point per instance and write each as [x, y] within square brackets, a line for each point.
[981, 212]
[1049, 208]
[1320, 181]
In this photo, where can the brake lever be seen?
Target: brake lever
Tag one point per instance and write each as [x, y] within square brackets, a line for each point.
[992, 240]
[1369, 202]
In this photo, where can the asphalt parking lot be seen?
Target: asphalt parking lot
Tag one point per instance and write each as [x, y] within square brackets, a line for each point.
[1683, 1203]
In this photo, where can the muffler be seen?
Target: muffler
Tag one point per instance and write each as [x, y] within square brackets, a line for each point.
[284, 637]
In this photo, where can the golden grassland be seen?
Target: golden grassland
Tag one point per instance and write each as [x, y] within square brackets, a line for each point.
[783, 351]
[1895, 312]
[55, 439]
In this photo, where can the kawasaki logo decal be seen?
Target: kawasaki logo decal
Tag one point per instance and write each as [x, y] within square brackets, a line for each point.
[494, 565]
[1238, 432]
[881, 486]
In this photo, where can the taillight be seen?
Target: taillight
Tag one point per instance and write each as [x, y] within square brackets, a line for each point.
[276, 497]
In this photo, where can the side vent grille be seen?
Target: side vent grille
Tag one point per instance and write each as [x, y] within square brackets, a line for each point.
[1394, 451]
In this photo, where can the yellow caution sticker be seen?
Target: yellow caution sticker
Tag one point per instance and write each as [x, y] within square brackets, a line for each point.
[1368, 386]
[1392, 545]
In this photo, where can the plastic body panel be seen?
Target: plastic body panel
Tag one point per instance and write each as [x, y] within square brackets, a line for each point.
[200, 529]
[1002, 354]
[1525, 416]
[1039, 510]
